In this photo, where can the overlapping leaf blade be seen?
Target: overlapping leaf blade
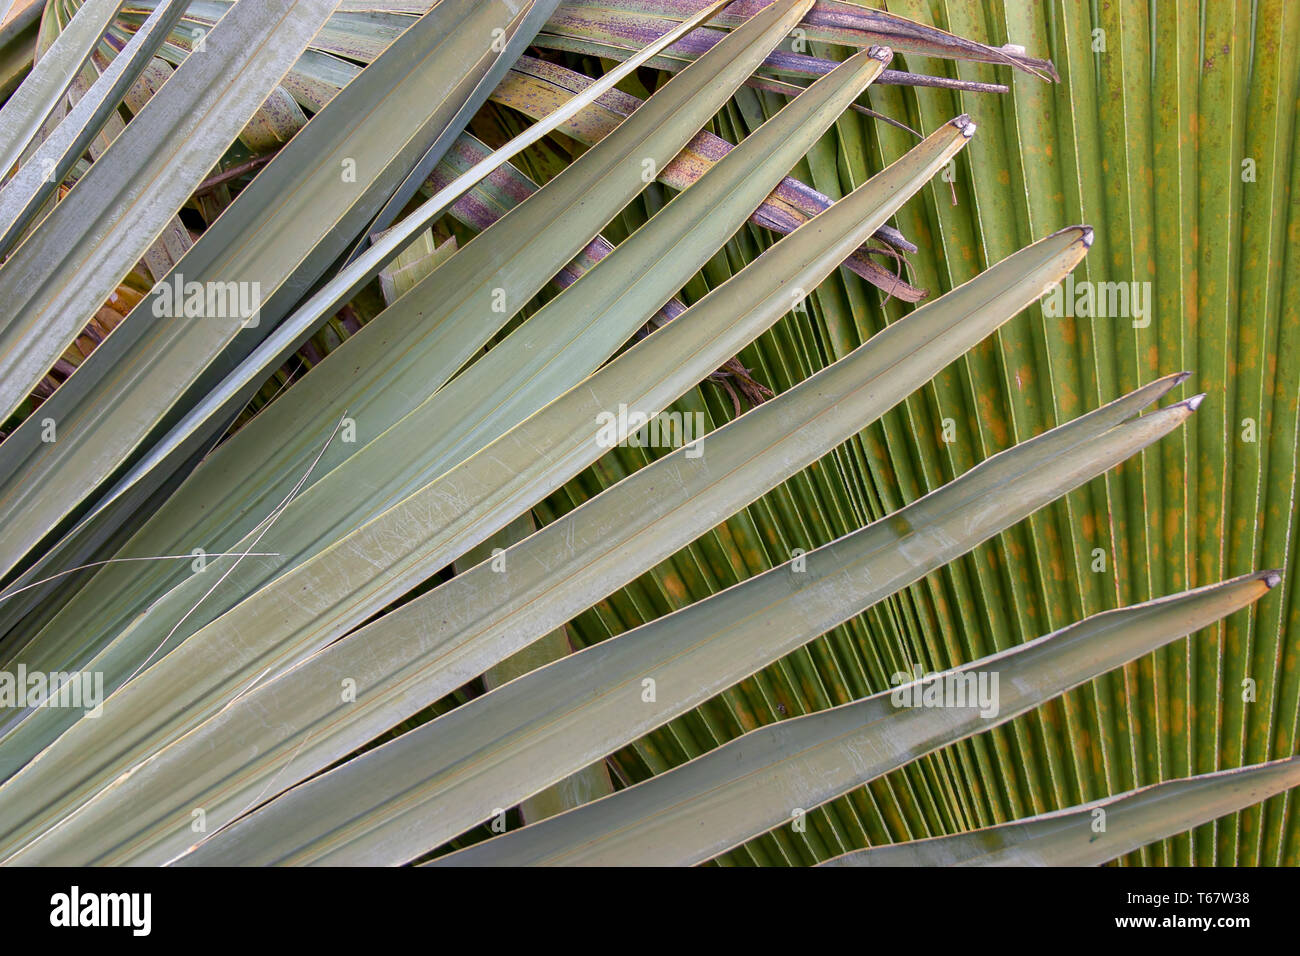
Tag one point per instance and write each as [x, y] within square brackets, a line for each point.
[1092, 834]
[801, 763]
[55, 280]
[559, 571]
[398, 359]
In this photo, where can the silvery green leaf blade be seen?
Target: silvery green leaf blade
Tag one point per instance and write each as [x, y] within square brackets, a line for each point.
[549, 578]
[523, 34]
[342, 585]
[1092, 834]
[769, 776]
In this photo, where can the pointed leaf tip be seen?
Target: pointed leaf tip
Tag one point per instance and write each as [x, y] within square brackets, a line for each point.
[1083, 231]
[1167, 383]
[965, 124]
